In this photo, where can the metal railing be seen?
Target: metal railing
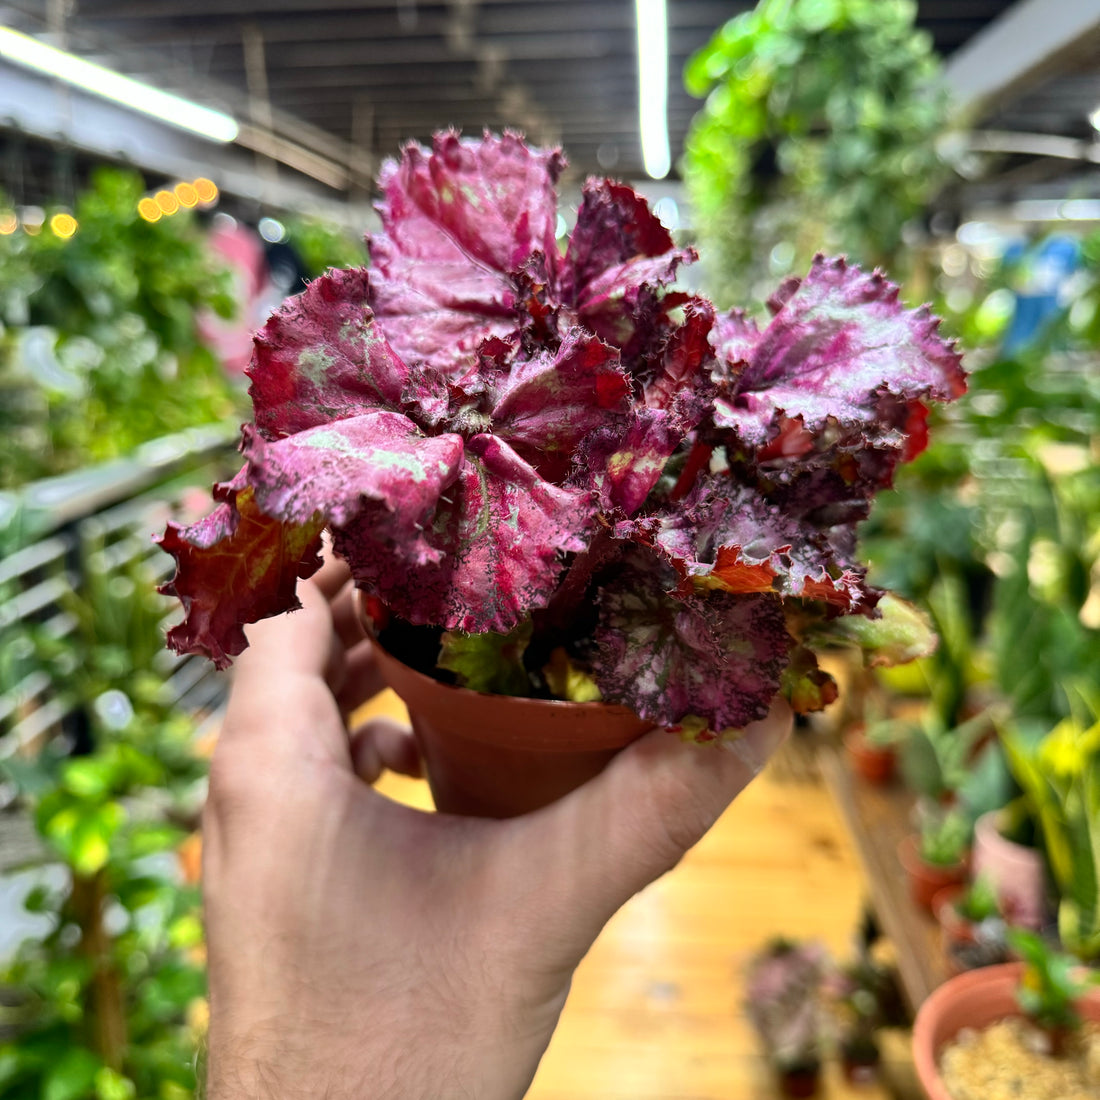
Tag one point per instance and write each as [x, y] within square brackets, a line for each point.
[57, 535]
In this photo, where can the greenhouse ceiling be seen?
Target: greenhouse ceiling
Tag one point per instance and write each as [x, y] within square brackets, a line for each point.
[328, 88]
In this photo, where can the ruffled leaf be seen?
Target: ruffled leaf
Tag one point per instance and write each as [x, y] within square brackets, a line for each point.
[320, 357]
[552, 402]
[726, 536]
[458, 220]
[840, 350]
[613, 244]
[236, 566]
[681, 381]
[623, 466]
[719, 657]
[335, 470]
[496, 537]
[619, 259]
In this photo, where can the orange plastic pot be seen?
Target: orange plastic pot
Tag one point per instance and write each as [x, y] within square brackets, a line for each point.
[500, 756]
[975, 999]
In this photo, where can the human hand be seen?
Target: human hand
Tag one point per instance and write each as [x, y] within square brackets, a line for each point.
[360, 948]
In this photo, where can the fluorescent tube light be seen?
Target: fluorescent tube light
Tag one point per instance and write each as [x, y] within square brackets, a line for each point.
[1094, 118]
[89, 77]
[651, 20]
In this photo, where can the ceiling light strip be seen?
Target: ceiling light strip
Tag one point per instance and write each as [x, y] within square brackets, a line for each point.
[134, 94]
[651, 22]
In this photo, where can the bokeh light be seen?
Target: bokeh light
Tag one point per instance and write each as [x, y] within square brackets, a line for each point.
[186, 194]
[167, 202]
[206, 190]
[149, 210]
[271, 230]
[63, 225]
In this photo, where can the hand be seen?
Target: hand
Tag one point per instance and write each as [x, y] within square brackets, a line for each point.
[362, 949]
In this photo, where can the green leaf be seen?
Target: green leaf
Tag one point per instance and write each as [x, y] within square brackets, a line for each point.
[489, 662]
[185, 931]
[149, 837]
[88, 776]
[73, 1076]
[110, 1085]
[902, 633]
[566, 679]
[83, 834]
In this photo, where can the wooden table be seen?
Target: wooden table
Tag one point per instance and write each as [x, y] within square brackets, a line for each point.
[877, 819]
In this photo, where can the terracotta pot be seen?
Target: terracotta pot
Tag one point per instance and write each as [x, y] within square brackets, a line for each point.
[859, 1061]
[500, 756]
[1016, 872]
[926, 879]
[876, 764]
[800, 1082]
[966, 945]
[956, 932]
[975, 999]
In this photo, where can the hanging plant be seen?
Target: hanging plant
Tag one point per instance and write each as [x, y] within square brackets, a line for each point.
[819, 131]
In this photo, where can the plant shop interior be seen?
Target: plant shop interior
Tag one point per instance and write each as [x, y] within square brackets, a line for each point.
[905, 903]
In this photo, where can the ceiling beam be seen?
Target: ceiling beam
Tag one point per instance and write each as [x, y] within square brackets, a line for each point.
[1030, 41]
[34, 104]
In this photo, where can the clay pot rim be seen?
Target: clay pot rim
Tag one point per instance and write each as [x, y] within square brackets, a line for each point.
[524, 700]
[947, 896]
[1000, 979]
[855, 740]
[468, 693]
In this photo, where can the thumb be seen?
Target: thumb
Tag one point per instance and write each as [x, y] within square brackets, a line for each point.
[653, 802]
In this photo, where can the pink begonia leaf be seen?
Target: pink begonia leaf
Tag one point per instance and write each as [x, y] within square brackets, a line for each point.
[681, 382]
[623, 466]
[320, 357]
[550, 403]
[619, 259]
[500, 533]
[616, 232]
[236, 566]
[726, 536]
[718, 657]
[835, 486]
[840, 347]
[334, 470]
[458, 220]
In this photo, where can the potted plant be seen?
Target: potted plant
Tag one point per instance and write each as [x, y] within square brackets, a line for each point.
[553, 475]
[972, 925]
[936, 856]
[783, 1001]
[872, 744]
[1060, 776]
[1029, 1028]
[1006, 853]
[859, 995]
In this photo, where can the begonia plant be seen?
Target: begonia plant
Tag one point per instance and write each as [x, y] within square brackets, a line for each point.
[559, 473]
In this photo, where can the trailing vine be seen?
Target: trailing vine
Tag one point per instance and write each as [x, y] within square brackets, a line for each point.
[818, 134]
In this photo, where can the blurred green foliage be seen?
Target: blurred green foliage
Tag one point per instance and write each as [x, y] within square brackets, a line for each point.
[322, 245]
[995, 530]
[1051, 984]
[105, 1002]
[99, 348]
[819, 133]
